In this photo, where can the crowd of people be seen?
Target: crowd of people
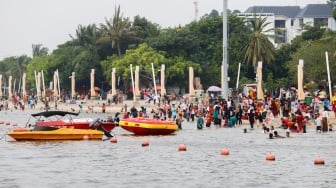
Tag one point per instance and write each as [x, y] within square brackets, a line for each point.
[294, 115]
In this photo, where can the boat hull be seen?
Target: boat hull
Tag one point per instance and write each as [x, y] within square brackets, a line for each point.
[147, 126]
[76, 124]
[59, 134]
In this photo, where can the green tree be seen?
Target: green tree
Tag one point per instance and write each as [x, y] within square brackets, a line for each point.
[38, 64]
[313, 54]
[115, 29]
[39, 50]
[87, 57]
[143, 56]
[259, 47]
[14, 66]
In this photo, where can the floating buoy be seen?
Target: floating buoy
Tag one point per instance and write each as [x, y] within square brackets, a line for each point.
[225, 152]
[270, 157]
[113, 140]
[144, 143]
[14, 124]
[1, 122]
[319, 161]
[182, 147]
[7, 123]
[85, 137]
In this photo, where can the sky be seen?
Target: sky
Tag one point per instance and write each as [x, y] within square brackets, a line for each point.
[50, 22]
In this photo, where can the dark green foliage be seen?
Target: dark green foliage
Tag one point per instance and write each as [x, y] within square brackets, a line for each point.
[119, 42]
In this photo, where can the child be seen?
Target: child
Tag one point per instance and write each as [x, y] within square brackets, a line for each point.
[200, 122]
[318, 122]
[208, 119]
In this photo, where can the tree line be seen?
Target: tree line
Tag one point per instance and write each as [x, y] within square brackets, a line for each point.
[119, 42]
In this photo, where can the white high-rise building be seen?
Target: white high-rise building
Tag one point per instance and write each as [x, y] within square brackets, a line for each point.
[289, 21]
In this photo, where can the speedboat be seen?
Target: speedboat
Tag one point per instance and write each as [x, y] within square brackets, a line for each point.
[25, 134]
[66, 119]
[148, 126]
[36, 132]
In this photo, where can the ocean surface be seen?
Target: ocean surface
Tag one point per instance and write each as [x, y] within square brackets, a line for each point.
[60, 164]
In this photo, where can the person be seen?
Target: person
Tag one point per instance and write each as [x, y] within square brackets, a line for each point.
[179, 121]
[208, 119]
[251, 118]
[265, 129]
[270, 135]
[134, 112]
[334, 108]
[326, 104]
[287, 133]
[239, 116]
[325, 121]
[232, 121]
[200, 122]
[103, 108]
[318, 122]
[276, 135]
[216, 115]
[299, 120]
[333, 99]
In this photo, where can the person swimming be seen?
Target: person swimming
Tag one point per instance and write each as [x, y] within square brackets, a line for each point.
[276, 135]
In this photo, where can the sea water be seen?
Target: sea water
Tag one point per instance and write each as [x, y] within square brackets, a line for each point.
[128, 164]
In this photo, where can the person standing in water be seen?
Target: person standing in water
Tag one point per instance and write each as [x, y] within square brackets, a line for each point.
[251, 117]
[200, 122]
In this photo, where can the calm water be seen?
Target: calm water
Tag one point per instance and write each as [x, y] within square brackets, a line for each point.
[128, 164]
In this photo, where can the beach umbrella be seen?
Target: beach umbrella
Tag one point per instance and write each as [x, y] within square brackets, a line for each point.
[24, 84]
[136, 81]
[10, 87]
[55, 85]
[113, 80]
[73, 85]
[163, 87]
[191, 82]
[301, 95]
[214, 89]
[260, 93]
[92, 83]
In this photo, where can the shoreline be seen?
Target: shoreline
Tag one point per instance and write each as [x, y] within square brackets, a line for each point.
[95, 107]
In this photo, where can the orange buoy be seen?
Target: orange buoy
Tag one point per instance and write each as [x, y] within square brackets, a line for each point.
[113, 140]
[270, 156]
[319, 161]
[85, 137]
[225, 152]
[144, 143]
[182, 147]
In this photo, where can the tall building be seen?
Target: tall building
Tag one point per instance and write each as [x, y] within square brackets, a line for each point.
[289, 21]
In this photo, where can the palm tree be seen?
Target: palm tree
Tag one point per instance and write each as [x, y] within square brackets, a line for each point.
[259, 47]
[116, 29]
[39, 50]
[86, 47]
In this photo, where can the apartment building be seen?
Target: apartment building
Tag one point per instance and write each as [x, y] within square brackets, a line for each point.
[288, 21]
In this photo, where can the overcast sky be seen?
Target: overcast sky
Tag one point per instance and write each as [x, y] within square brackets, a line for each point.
[49, 22]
